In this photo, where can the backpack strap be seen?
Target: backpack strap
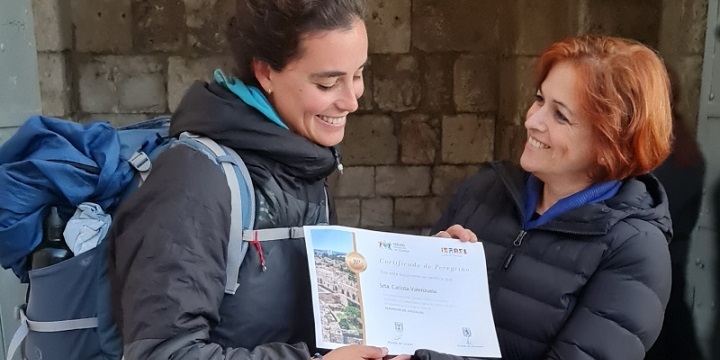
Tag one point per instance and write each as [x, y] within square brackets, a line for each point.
[295, 232]
[271, 234]
[46, 327]
[140, 161]
[242, 215]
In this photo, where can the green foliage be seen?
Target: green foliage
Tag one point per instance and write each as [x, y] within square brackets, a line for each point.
[351, 312]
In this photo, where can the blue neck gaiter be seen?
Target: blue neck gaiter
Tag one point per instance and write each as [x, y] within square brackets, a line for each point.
[593, 194]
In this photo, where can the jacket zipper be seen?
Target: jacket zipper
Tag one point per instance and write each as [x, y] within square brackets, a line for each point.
[516, 247]
[517, 243]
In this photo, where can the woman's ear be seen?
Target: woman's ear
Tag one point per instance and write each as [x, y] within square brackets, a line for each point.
[263, 74]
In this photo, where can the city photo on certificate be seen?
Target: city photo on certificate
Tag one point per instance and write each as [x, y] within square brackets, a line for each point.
[337, 286]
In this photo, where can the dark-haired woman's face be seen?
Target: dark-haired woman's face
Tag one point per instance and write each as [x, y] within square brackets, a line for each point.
[314, 93]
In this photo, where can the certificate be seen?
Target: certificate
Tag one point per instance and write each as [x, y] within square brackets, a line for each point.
[403, 292]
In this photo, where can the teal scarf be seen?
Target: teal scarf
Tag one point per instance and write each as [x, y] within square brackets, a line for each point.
[250, 95]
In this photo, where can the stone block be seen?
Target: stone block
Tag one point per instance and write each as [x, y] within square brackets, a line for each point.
[348, 212]
[396, 82]
[332, 182]
[159, 25]
[510, 142]
[402, 180]
[206, 22]
[460, 25]
[102, 25]
[182, 72]
[369, 140]
[417, 212]
[365, 102]
[376, 213]
[356, 181]
[691, 17]
[438, 77]
[639, 19]
[446, 178]
[517, 89]
[688, 72]
[539, 24]
[387, 17]
[419, 139]
[467, 139]
[476, 83]
[122, 84]
[53, 25]
[114, 119]
[54, 84]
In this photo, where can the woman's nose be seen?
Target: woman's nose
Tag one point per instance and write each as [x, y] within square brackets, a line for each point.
[349, 100]
[535, 118]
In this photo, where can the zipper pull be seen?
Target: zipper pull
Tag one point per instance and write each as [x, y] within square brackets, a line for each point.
[508, 260]
[516, 244]
[259, 249]
[336, 155]
[519, 239]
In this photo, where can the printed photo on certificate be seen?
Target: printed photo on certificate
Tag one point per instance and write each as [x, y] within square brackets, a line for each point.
[403, 292]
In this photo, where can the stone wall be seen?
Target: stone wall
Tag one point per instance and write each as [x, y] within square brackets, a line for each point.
[447, 85]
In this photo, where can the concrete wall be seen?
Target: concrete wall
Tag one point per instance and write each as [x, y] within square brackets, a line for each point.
[447, 85]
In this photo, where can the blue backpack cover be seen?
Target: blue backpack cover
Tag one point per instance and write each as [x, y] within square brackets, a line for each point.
[52, 162]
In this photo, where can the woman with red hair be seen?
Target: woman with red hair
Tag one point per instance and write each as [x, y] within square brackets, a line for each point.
[576, 237]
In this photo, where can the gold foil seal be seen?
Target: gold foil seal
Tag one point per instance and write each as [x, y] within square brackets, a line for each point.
[355, 262]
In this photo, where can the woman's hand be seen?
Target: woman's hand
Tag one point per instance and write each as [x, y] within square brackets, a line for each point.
[458, 232]
[361, 352]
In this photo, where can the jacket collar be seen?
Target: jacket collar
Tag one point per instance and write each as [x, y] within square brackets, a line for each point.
[640, 197]
[212, 110]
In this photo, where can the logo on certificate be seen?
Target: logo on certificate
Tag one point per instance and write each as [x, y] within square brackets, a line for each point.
[467, 333]
[392, 246]
[453, 251]
[398, 330]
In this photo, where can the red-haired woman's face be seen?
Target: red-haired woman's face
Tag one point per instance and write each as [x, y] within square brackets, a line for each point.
[560, 145]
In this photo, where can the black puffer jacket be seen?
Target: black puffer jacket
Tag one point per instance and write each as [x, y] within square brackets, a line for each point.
[169, 242]
[591, 284]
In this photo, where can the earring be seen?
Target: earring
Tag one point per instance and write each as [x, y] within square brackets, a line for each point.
[269, 91]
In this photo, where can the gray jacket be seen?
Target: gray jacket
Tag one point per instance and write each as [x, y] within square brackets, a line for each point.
[168, 242]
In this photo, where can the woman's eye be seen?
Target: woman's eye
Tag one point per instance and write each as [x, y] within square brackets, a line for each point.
[325, 87]
[539, 99]
[560, 117]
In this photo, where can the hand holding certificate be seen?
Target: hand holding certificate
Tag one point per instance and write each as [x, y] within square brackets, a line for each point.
[403, 292]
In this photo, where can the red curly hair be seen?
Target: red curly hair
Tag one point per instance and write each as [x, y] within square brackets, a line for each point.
[625, 93]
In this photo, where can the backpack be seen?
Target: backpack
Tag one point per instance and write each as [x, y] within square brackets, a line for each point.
[63, 164]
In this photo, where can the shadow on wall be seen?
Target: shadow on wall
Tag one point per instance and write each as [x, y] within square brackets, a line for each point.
[682, 176]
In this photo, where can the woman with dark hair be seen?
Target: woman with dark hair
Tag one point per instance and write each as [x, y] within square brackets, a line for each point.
[576, 236]
[299, 74]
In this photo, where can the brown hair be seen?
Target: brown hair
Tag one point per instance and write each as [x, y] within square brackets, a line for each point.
[271, 30]
[625, 93]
